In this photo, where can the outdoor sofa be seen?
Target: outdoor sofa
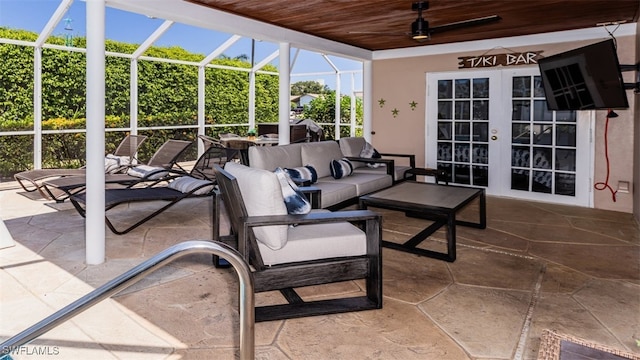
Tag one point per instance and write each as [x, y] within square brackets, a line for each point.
[318, 158]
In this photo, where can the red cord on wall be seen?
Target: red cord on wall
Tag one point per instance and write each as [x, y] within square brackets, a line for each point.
[605, 184]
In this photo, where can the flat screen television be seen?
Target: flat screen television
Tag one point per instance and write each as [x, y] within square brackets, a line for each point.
[585, 78]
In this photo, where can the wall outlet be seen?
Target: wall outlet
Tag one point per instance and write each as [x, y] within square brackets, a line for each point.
[623, 186]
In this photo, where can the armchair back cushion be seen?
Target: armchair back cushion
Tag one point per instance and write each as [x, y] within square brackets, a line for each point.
[262, 195]
[320, 154]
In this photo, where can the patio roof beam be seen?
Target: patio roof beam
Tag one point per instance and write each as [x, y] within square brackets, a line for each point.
[221, 49]
[266, 61]
[326, 58]
[54, 20]
[295, 58]
[152, 38]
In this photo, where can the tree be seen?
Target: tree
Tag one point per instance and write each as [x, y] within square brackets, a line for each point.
[323, 110]
[308, 87]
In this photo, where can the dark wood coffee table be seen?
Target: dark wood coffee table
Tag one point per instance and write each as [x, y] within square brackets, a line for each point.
[438, 203]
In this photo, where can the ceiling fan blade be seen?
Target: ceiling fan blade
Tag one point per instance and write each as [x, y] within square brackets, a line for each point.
[464, 23]
[380, 33]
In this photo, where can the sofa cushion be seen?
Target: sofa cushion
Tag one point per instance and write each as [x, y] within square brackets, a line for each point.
[261, 193]
[294, 199]
[364, 182]
[341, 168]
[271, 157]
[320, 154]
[334, 191]
[304, 173]
[352, 146]
[370, 152]
[317, 241]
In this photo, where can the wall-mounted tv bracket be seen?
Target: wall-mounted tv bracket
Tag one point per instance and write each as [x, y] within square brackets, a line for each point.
[635, 86]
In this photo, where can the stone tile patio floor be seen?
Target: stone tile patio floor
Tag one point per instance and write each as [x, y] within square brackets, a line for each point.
[536, 266]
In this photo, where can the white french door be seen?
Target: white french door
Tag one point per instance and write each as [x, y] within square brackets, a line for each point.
[492, 129]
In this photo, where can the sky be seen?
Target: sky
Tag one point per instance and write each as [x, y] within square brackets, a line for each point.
[33, 15]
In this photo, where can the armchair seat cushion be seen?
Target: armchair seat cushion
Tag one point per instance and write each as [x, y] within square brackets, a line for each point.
[317, 241]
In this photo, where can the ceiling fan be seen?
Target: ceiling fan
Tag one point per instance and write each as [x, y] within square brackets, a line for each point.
[420, 30]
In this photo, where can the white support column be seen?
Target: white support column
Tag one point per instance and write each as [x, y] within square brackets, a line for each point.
[252, 99]
[37, 107]
[337, 114]
[352, 128]
[95, 227]
[133, 98]
[284, 94]
[367, 100]
[201, 99]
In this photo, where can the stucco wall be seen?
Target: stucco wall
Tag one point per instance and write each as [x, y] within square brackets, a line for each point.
[401, 129]
[636, 147]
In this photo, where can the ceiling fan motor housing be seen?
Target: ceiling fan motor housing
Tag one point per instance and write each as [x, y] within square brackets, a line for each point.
[420, 27]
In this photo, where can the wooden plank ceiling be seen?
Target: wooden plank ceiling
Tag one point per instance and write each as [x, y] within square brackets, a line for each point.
[386, 24]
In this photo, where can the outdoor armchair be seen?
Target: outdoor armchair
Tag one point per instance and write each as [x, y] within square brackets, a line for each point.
[291, 251]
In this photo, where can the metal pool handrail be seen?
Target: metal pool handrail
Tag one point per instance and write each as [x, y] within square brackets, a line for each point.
[247, 304]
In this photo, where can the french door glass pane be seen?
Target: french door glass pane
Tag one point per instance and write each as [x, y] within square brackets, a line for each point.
[481, 88]
[481, 110]
[445, 110]
[463, 89]
[445, 89]
[463, 110]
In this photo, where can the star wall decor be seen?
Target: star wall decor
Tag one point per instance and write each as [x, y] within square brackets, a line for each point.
[381, 102]
[395, 112]
[413, 105]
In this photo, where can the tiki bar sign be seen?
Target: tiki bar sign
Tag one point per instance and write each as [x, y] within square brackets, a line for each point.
[510, 59]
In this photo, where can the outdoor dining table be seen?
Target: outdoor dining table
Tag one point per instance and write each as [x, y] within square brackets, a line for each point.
[241, 144]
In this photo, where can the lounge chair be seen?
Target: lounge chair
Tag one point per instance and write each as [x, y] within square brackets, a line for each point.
[32, 180]
[154, 171]
[199, 182]
[232, 153]
[291, 251]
